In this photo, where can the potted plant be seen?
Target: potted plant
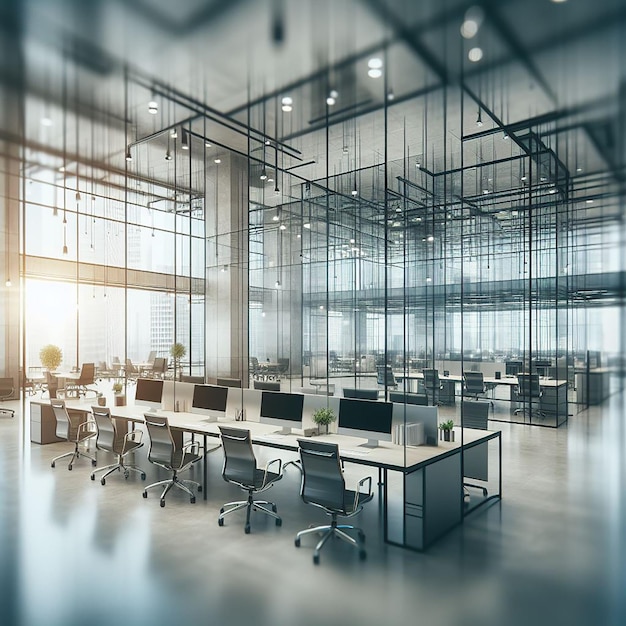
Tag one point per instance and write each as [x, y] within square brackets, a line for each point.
[102, 401]
[177, 352]
[447, 434]
[120, 398]
[51, 357]
[323, 417]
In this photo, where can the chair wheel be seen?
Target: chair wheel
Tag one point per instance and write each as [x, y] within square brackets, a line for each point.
[247, 529]
[279, 522]
[126, 474]
[143, 476]
[162, 503]
[297, 542]
[192, 499]
[93, 477]
[316, 559]
[361, 537]
[362, 555]
[145, 494]
[94, 463]
[52, 464]
[69, 467]
[220, 521]
[199, 487]
[103, 482]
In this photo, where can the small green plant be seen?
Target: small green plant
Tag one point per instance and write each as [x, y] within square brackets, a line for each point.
[177, 352]
[117, 387]
[449, 425]
[324, 417]
[51, 357]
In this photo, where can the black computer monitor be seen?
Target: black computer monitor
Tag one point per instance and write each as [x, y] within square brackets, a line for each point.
[360, 394]
[282, 409]
[513, 368]
[541, 365]
[365, 418]
[209, 400]
[149, 392]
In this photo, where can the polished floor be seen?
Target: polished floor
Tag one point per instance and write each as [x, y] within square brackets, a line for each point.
[553, 551]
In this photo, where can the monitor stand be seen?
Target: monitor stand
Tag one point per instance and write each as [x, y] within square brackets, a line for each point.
[210, 419]
[370, 443]
[285, 430]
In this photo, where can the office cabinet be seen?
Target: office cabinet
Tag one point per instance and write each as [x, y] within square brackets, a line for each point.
[43, 424]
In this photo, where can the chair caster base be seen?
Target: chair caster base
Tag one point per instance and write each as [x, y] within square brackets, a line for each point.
[297, 542]
[103, 482]
[316, 559]
[220, 522]
[145, 494]
[192, 500]
[162, 503]
[247, 529]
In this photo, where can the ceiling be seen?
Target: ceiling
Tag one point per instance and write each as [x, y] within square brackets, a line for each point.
[547, 90]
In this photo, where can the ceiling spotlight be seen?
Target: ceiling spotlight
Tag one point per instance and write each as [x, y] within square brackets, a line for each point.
[345, 150]
[505, 136]
[352, 241]
[334, 93]
[207, 144]
[428, 279]
[418, 164]
[129, 156]
[543, 179]
[283, 227]
[153, 107]
[276, 190]
[579, 169]
[485, 191]
[267, 142]
[479, 119]
[430, 238]
[330, 101]
[263, 175]
[374, 72]
[590, 201]
[46, 121]
[275, 218]
[168, 156]
[286, 103]
[185, 142]
[306, 225]
[298, 236]
[174, 133]
[218, 161]
[552, 190]
[523, 177]
[375, 63]
[277, 284]
[270, 179]
[354, 192]
[469, 28]
[475, 55]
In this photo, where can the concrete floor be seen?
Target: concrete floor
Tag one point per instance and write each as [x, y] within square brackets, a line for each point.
[553, 551]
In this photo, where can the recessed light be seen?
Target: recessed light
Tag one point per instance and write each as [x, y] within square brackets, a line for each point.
[590, 201]
[475, 54]
[283, 227]
[374, 72]
[375, 63]
[153, 107]
[579, 169]
[430, 238]
[306, 225]
[330, 101]
[173, 133]
[217, 161]
[469, 28]
[207, 144]
[275, 218]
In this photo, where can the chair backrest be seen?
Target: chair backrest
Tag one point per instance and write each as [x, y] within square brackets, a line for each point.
[229, 382]
[408, 398]
[322, 479]
[283, 365]
[162, 445]
[130, 368]
[431, 378]
[474, 382]
[254, 363]
[87, 374]
[475, 414]
[196, 380]
[6, 387]
[66, 427]
[239, 460]
[360, 394]
[151, 357]
[529, 385]
[384, 376]
[107, 430]
[159, 365]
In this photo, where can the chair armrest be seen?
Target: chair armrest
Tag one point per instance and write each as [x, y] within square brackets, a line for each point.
[193, 447]
[358, 493]
[88, 428]
[131, 437]
[267, 467]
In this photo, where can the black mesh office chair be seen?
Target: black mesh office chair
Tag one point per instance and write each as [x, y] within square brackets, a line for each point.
[240, 468]
[109, 441]
[529, 392]
[474, 385]
[432, 385]
[71, 428]
[323, 486]
[384, 376]
[164, 453]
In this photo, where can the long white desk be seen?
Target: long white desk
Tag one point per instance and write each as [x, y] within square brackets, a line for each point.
[431, 501]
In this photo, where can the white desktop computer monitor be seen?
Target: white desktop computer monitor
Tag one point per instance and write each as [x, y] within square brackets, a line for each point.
[209, 400]
[365, 418]
[149, 392]
[282, 409]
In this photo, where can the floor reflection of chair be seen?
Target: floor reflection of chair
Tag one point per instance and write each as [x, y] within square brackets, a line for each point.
[529, 393]
[166, 454]
[71, 428]
[6, 392]
[432, 385]
[323, 486]
[109, 440]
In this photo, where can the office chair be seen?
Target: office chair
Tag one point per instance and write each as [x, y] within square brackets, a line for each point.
[164, 453]
[384, 376]
[255, 369]
[6, 392]
[474, 385]
[109, 441]
[432, 384]
[131, 371]
[159, 367]
[283, 367]
[80, 385]
[240, 468]
[51, 385]
[69, 427]
[528, 390]
[323, 486]
[475, 415]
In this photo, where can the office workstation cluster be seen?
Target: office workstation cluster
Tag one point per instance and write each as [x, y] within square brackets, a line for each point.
[423, 486]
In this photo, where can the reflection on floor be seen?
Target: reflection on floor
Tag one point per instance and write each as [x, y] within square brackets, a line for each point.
[73, 552]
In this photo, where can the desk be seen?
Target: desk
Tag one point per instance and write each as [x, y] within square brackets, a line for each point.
[422, 501]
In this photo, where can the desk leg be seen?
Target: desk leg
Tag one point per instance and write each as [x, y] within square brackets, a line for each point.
[204, 468]
[385, 512]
